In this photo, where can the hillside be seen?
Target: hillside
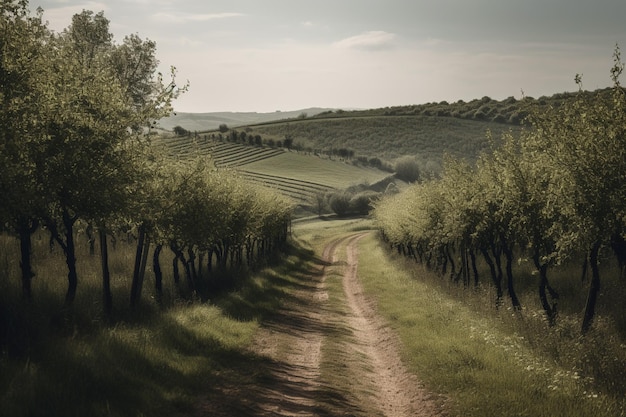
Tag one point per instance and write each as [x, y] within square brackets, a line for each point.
[388, 137]
[210, 121]
[427, 131]
[296, 175]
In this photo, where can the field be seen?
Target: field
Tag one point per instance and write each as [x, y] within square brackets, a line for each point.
[389, 137]
[297, 175]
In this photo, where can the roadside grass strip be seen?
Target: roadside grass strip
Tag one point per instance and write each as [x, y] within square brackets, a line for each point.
[470, 359]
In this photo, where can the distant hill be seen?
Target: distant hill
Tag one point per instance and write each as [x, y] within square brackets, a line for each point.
[427, 131]
[210, 121]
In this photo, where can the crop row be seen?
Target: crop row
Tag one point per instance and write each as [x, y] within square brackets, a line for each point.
[297, 189]
[237, 155]
[224, 154]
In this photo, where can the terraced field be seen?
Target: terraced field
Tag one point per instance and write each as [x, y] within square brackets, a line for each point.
[225, 154]
[302, 192]
[300, 177]
[233, 155]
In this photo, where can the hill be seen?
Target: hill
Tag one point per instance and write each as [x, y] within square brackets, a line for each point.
[210, 121]
[299, 176]
[427, 131]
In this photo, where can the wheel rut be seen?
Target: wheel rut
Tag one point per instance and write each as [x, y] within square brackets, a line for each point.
[291, 346]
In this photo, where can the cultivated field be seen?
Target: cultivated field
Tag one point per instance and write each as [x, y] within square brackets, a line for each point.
[297, 175]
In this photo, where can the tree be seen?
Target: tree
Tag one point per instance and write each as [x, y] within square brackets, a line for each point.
[585, 141]
[23, 51]
[93, 161]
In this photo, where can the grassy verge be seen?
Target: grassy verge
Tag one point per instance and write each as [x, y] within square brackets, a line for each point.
[473, 358]
[190, 358]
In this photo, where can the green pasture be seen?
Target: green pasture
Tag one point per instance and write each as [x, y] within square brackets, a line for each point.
[333, 173]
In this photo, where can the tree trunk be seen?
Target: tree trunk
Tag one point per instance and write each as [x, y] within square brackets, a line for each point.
[158, 275]
[497, 254]
[26, 230]
[474, 267]
[508, 253]
[594, 289]
[497, 279]
[451, 260]
[543, 287]
[191, 261]
[91, 239]
[106, 276]
[141, 255]
[175, 270]
[181, 257]
[70, 258]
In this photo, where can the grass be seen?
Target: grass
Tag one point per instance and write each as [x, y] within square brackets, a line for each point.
[327, 172]
[486, 362]
[184, 359]
[389, 137]
[475, 358]
[193, 358]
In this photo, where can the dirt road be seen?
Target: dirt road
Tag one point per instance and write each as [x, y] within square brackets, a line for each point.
[297, 343]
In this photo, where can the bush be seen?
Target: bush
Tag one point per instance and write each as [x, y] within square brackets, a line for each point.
[407, 169]
[180, 131]
[361, 203]
[340, 203]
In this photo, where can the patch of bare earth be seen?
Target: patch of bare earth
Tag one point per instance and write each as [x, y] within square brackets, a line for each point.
[291, 348]
[397, 392]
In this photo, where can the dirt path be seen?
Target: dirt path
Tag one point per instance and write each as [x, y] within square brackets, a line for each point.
[398, 393]
[364, 375]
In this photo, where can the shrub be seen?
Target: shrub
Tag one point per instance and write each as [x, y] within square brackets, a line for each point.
[407, 169]
[340, 203]
[361, 203]
[180, 131]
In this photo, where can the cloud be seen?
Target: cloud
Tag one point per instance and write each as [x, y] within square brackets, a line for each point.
[189, 17]
[373, 40]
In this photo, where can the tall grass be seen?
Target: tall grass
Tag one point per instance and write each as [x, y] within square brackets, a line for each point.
[496, 362]
[187, 357]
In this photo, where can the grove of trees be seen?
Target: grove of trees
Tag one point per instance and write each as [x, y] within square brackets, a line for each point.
[553, 193]
[76, 153]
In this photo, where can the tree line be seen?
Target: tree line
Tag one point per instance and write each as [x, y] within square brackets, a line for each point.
[553, 193]
[76, 153]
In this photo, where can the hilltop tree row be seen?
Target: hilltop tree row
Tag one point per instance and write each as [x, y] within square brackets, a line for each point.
[552, 193]
[75, 111]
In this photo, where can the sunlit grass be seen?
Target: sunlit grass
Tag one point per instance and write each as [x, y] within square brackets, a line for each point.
[476, 359]
[322, 171]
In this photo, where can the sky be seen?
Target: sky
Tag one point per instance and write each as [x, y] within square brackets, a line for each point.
[270, 55]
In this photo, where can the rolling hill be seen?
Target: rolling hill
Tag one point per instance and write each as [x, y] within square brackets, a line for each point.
[427, 131]
[210, 121]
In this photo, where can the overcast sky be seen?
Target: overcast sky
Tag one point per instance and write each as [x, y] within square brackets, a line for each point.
[267, 55]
